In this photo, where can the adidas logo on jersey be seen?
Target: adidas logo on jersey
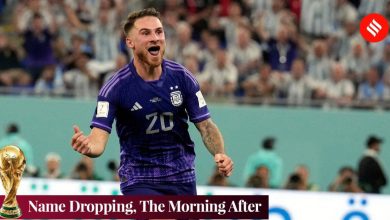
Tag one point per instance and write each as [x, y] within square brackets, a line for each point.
[136, 107]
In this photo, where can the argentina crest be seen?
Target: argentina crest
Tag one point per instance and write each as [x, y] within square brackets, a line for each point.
[176, 98]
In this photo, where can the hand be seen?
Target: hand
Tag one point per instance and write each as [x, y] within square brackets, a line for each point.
[224, 164]
[80, 142]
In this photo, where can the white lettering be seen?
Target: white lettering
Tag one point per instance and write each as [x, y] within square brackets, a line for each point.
[243, 206]
[151, 206]
[178, 206]
[233, 206]
[77, 204]
[102, 208]
[46, 207]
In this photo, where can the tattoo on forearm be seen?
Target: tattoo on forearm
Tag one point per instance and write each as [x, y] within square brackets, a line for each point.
[212, 137]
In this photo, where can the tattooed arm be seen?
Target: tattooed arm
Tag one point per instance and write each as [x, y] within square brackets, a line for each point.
[212, 139]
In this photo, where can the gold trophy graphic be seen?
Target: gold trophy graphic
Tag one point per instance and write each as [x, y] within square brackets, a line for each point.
[12, 164]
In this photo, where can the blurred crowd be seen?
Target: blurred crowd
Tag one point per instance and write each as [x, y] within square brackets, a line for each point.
[296, 52]
[264, 169]
[84, 169]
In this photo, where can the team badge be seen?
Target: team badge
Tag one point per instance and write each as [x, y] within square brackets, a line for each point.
[176, 98]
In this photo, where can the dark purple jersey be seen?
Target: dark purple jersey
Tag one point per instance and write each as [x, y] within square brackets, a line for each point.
[152, 123]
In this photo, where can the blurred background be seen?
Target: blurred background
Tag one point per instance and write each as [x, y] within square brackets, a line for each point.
[301, 98]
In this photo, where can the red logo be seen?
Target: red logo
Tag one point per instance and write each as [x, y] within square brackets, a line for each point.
[374, 27]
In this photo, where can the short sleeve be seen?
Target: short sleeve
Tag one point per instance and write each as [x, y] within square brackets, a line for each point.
[104, 114]
[195, 103]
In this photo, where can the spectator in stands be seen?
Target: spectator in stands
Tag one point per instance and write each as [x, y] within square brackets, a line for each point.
[316, 19]
[50, 82]
[106, 38]
[120, 61]
[269, 22]
[376, 52]
[214, 29]
[217, 179]
[210, 46]
[267, 158]
[231, 23]
[81, 172]
[85, 79]
[220, 76]
[260, 179]
[338, 90]
[259, 7]
[113, 169]
[192, 64]
[344, 12]
[371, 174]
[2, 6]
[368, 7]
[105, 33]
[38, 39]
[387, 10]
[303, 172]
[11, 72]
[262, 84]
[78, 46]
[246, 54]
[13, 137]
[386, 82]
[295, 182]
[53, 166]
[384, 63]
[372, 88]
[356, 62]
[346, 181]
[282, 29]
[57, 13]
[60, 50]
[341, 41]
[295, 7]
[82, 81]
[84, 12]
[197, 14]
[282, 50]
[170, 20]
[26, 10]
[297, 87]
[182, 45]
[85, 170]
[318, 61]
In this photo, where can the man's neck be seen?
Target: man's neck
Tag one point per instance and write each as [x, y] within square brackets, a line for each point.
[371, 152]
[147, 72]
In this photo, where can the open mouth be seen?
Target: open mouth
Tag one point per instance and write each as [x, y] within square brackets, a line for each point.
[154, 50]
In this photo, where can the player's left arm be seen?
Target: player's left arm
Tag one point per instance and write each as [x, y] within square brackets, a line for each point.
[212, 139]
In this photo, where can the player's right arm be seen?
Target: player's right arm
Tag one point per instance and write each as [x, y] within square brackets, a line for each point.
[92, 145]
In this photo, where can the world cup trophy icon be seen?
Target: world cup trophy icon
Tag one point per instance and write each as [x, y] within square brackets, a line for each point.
[12, 164]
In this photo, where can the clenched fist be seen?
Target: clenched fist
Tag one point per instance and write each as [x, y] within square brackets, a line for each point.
[224, 164]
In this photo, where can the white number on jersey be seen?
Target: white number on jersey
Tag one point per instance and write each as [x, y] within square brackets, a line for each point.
[166, 122]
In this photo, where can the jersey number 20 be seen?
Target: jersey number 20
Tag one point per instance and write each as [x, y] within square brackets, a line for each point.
[166, 121]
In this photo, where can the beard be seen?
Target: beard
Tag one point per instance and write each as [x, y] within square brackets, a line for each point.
[153, 61]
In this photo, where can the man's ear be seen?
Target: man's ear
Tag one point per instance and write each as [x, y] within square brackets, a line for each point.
[129, 42]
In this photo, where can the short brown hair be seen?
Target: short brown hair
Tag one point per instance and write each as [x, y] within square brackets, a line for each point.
[133, 16]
